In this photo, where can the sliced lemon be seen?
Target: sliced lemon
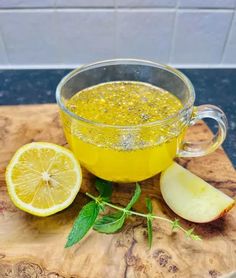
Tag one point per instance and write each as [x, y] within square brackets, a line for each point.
[43, 178]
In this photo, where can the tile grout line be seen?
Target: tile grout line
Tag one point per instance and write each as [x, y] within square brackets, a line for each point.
[60, 50]
[115, 28]
[73, 66]
[113, 6]
[228, 36]
[38, 9]
[173, 33]
[4, 46]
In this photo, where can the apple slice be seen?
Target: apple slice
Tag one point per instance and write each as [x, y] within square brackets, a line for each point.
[191, 197]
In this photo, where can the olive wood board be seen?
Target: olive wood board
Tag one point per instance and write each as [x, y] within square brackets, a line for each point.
[31, 246]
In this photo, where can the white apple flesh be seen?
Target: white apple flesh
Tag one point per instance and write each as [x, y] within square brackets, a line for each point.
[191, 197]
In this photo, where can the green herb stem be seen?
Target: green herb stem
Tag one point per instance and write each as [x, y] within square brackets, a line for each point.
[134, 212]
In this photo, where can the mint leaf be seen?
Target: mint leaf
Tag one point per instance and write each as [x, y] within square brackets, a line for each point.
[149, 205]
[189, 232]
[175, 224]
[149, 228]
[110, 223]
[83, 223]
[149, 221]
[113, 222]
[104, 188]
[135, 197]
[195, 237]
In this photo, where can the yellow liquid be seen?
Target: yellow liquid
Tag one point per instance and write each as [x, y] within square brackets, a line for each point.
[128, 154]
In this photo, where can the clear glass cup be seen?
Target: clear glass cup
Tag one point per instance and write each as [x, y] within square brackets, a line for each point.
[116, 153]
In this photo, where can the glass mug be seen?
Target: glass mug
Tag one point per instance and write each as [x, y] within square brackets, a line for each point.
[117, 153]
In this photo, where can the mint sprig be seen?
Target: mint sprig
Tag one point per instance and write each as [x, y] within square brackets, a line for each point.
[149, 221]
[113, 222]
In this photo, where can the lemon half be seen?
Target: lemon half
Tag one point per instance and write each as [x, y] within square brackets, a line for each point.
[43, 178]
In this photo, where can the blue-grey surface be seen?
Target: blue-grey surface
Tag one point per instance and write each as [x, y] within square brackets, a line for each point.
[214, 86]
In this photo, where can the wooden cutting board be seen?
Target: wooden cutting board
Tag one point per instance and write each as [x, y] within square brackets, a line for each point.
[34, 247]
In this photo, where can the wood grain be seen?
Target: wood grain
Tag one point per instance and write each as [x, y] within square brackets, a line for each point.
[34, 247]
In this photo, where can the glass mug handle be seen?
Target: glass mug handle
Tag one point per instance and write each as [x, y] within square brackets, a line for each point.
[194, 149]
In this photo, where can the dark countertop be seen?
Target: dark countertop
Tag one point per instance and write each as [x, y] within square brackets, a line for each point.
[214, 86]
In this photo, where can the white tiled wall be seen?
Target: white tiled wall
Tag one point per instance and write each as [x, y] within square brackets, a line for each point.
[67, 33]
[146, 3]
[85, 35]
[84, 3]
[140, 34]
[26, 3]
[200, 36]
[30, 37]
[224, 4]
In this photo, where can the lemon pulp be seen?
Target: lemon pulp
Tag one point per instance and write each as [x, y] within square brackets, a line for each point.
[43, 178]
